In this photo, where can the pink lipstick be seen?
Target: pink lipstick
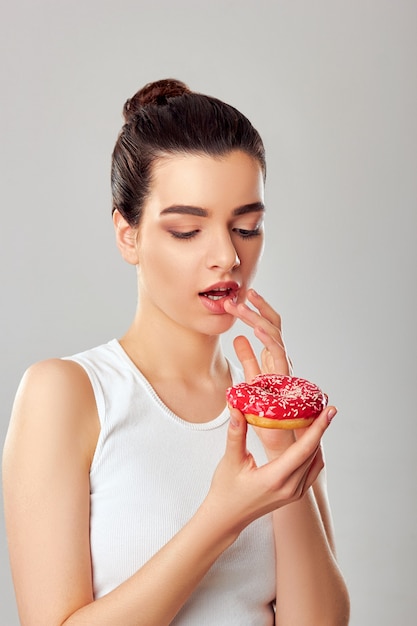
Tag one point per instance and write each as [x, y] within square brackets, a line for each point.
[214, 297]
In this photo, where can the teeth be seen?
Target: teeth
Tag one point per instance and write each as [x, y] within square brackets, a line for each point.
[217, 294]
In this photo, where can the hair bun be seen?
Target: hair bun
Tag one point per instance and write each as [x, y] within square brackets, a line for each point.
[157, 93]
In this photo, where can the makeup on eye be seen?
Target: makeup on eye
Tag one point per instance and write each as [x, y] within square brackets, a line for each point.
[245, 227]
[183, 235]
[244, 233]
[248, 234]
[249, 230]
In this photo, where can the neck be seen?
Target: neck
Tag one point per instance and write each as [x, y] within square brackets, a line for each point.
[163, 349]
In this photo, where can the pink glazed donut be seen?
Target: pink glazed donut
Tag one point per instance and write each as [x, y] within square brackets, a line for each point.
[274, 401]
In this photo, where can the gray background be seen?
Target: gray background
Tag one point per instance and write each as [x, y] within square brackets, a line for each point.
[332, 88]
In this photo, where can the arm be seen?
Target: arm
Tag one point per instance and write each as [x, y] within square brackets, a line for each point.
[48, 451]
[310, 588]
[308, 576]
[47, 456]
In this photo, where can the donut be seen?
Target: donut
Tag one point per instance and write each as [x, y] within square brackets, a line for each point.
[275, 401]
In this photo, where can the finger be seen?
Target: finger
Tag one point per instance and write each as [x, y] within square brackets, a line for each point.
[314, 470]
[294, 478]
[274, 357]
[311, 473]
[269, 335]
[267, 362]
[264, 308]
[270, 365]
[236, 437]
[302, 452]
[269, 313]
[247, 357]
[266, 318]
[253, 319]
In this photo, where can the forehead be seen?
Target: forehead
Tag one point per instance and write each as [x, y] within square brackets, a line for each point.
[231, 180]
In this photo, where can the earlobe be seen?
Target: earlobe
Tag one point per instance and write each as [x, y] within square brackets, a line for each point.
[126, 238]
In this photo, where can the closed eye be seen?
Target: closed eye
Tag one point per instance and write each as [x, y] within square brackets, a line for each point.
[247, 234]
[180, 235]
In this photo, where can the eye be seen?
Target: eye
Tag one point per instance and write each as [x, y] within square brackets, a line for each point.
[180, 235]
[247, 234]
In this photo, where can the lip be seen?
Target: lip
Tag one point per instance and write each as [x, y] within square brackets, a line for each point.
[229, 284]
[216, 306]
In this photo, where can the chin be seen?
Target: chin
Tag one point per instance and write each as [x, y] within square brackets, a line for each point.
[220, 325]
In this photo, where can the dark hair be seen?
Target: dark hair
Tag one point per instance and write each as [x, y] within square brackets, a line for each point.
[165, 118]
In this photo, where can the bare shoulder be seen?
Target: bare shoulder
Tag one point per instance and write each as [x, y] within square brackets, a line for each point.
[55, 404]
[46, 462]
[46, 375]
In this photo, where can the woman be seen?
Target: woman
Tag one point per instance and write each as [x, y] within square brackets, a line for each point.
[131, 498]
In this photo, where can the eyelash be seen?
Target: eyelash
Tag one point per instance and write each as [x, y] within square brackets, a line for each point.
[248, 234]
[243, 233]
[179, 235]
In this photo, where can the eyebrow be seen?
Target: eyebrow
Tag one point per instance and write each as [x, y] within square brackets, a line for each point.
[183, 209]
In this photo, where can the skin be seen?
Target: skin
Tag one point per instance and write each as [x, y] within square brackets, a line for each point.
[54, 426]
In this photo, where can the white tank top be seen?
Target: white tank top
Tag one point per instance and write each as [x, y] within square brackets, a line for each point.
[150, 472]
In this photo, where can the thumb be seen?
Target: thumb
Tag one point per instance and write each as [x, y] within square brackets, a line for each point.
[236, 436]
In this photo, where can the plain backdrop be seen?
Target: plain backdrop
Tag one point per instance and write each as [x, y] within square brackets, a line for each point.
[332, 87]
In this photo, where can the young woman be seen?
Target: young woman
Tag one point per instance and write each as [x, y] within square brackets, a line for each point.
[131, 498]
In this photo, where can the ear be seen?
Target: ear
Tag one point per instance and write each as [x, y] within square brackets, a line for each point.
[126, 238]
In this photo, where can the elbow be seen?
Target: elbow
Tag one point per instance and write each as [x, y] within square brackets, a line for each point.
[336, 610]
[341, 610]
[345, 616]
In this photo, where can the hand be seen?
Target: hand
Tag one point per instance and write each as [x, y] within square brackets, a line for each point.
[241, 492]
[266, 323]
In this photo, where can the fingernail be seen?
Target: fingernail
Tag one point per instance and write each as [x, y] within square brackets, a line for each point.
[255, 293]
[234, 422]
[330, 414]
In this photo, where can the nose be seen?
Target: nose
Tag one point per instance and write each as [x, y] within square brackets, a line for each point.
[222, 253]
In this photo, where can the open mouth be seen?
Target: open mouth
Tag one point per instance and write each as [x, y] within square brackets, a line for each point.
[219, 294]
[216, 294]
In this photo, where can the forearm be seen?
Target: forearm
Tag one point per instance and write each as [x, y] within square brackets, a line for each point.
[154, 594]
[310, 588]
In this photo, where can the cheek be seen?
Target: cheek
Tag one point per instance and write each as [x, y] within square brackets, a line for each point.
[161, 265]
[250, 256]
